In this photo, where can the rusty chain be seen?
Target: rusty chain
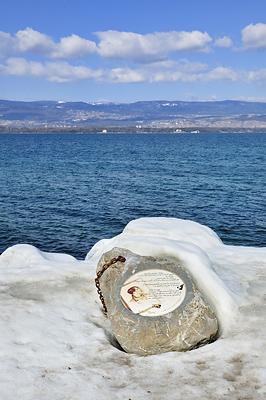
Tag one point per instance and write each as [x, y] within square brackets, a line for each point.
[100, 273]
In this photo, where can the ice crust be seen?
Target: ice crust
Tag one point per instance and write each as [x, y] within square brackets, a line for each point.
[54, 338]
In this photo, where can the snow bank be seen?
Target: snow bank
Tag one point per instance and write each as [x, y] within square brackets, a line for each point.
[54, 340]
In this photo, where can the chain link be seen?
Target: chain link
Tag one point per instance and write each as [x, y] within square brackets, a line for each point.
[100, 273]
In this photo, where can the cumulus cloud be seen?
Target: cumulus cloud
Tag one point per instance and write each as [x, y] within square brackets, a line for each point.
[22, 67]
[170, 71]
[73, 47]
[256, 76]
[164, 71]
[174, 71]
[188, 66]
[225, 42]
[116, 45]
[254, 37]
[60, 71]
[220, 74]
[150, 52]
[6, 43]
[31, 41]
[123, 75]
[150, 47]
[161, 71]
[186, 71]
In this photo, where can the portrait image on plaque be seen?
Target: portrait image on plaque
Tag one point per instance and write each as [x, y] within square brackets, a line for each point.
[153, 292]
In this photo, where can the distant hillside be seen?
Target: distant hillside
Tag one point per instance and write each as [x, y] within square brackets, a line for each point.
[157, 114]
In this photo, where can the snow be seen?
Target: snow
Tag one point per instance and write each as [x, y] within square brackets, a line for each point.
[55, 342]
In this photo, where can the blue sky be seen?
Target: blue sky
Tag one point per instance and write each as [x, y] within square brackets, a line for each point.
[126, 51]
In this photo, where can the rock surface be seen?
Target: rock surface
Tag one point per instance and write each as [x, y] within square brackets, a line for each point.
[153, 305]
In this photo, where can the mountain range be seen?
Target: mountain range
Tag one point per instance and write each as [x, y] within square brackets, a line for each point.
[178, 115]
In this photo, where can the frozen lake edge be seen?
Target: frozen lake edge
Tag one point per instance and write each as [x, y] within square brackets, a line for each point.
[54, 337]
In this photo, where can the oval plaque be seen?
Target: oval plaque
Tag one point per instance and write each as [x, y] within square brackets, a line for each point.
[153, 292]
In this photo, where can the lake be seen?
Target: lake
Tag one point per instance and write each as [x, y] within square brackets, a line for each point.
[65, 192]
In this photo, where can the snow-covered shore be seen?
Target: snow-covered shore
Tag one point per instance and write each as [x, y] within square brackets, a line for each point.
[55, 341]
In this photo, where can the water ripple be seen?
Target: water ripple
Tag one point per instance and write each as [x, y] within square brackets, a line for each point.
[63, 193]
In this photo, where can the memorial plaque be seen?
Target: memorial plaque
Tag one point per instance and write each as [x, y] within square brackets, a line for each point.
[152, 304]
[153, 292]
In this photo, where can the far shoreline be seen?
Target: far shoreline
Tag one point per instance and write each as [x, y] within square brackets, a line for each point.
[125, 129]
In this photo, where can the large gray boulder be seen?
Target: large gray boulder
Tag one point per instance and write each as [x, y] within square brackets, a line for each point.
[153, 304]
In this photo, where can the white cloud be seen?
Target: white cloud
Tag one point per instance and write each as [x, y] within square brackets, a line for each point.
[254, 37]
[188, 66]
[225, 42]
[165, 71]
[220, 74]
[169, 71]
[150, 47]
[256, 76]
[172, 76]
[73, 47]
[162, 71]
[115, 45]
[174, 71]
[22, 67]
[60, 71]
[123, 75]
[32, 41]
[6, 44]
[185, 71]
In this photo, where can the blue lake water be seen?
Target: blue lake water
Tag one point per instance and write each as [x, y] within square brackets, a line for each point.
[64, 192]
